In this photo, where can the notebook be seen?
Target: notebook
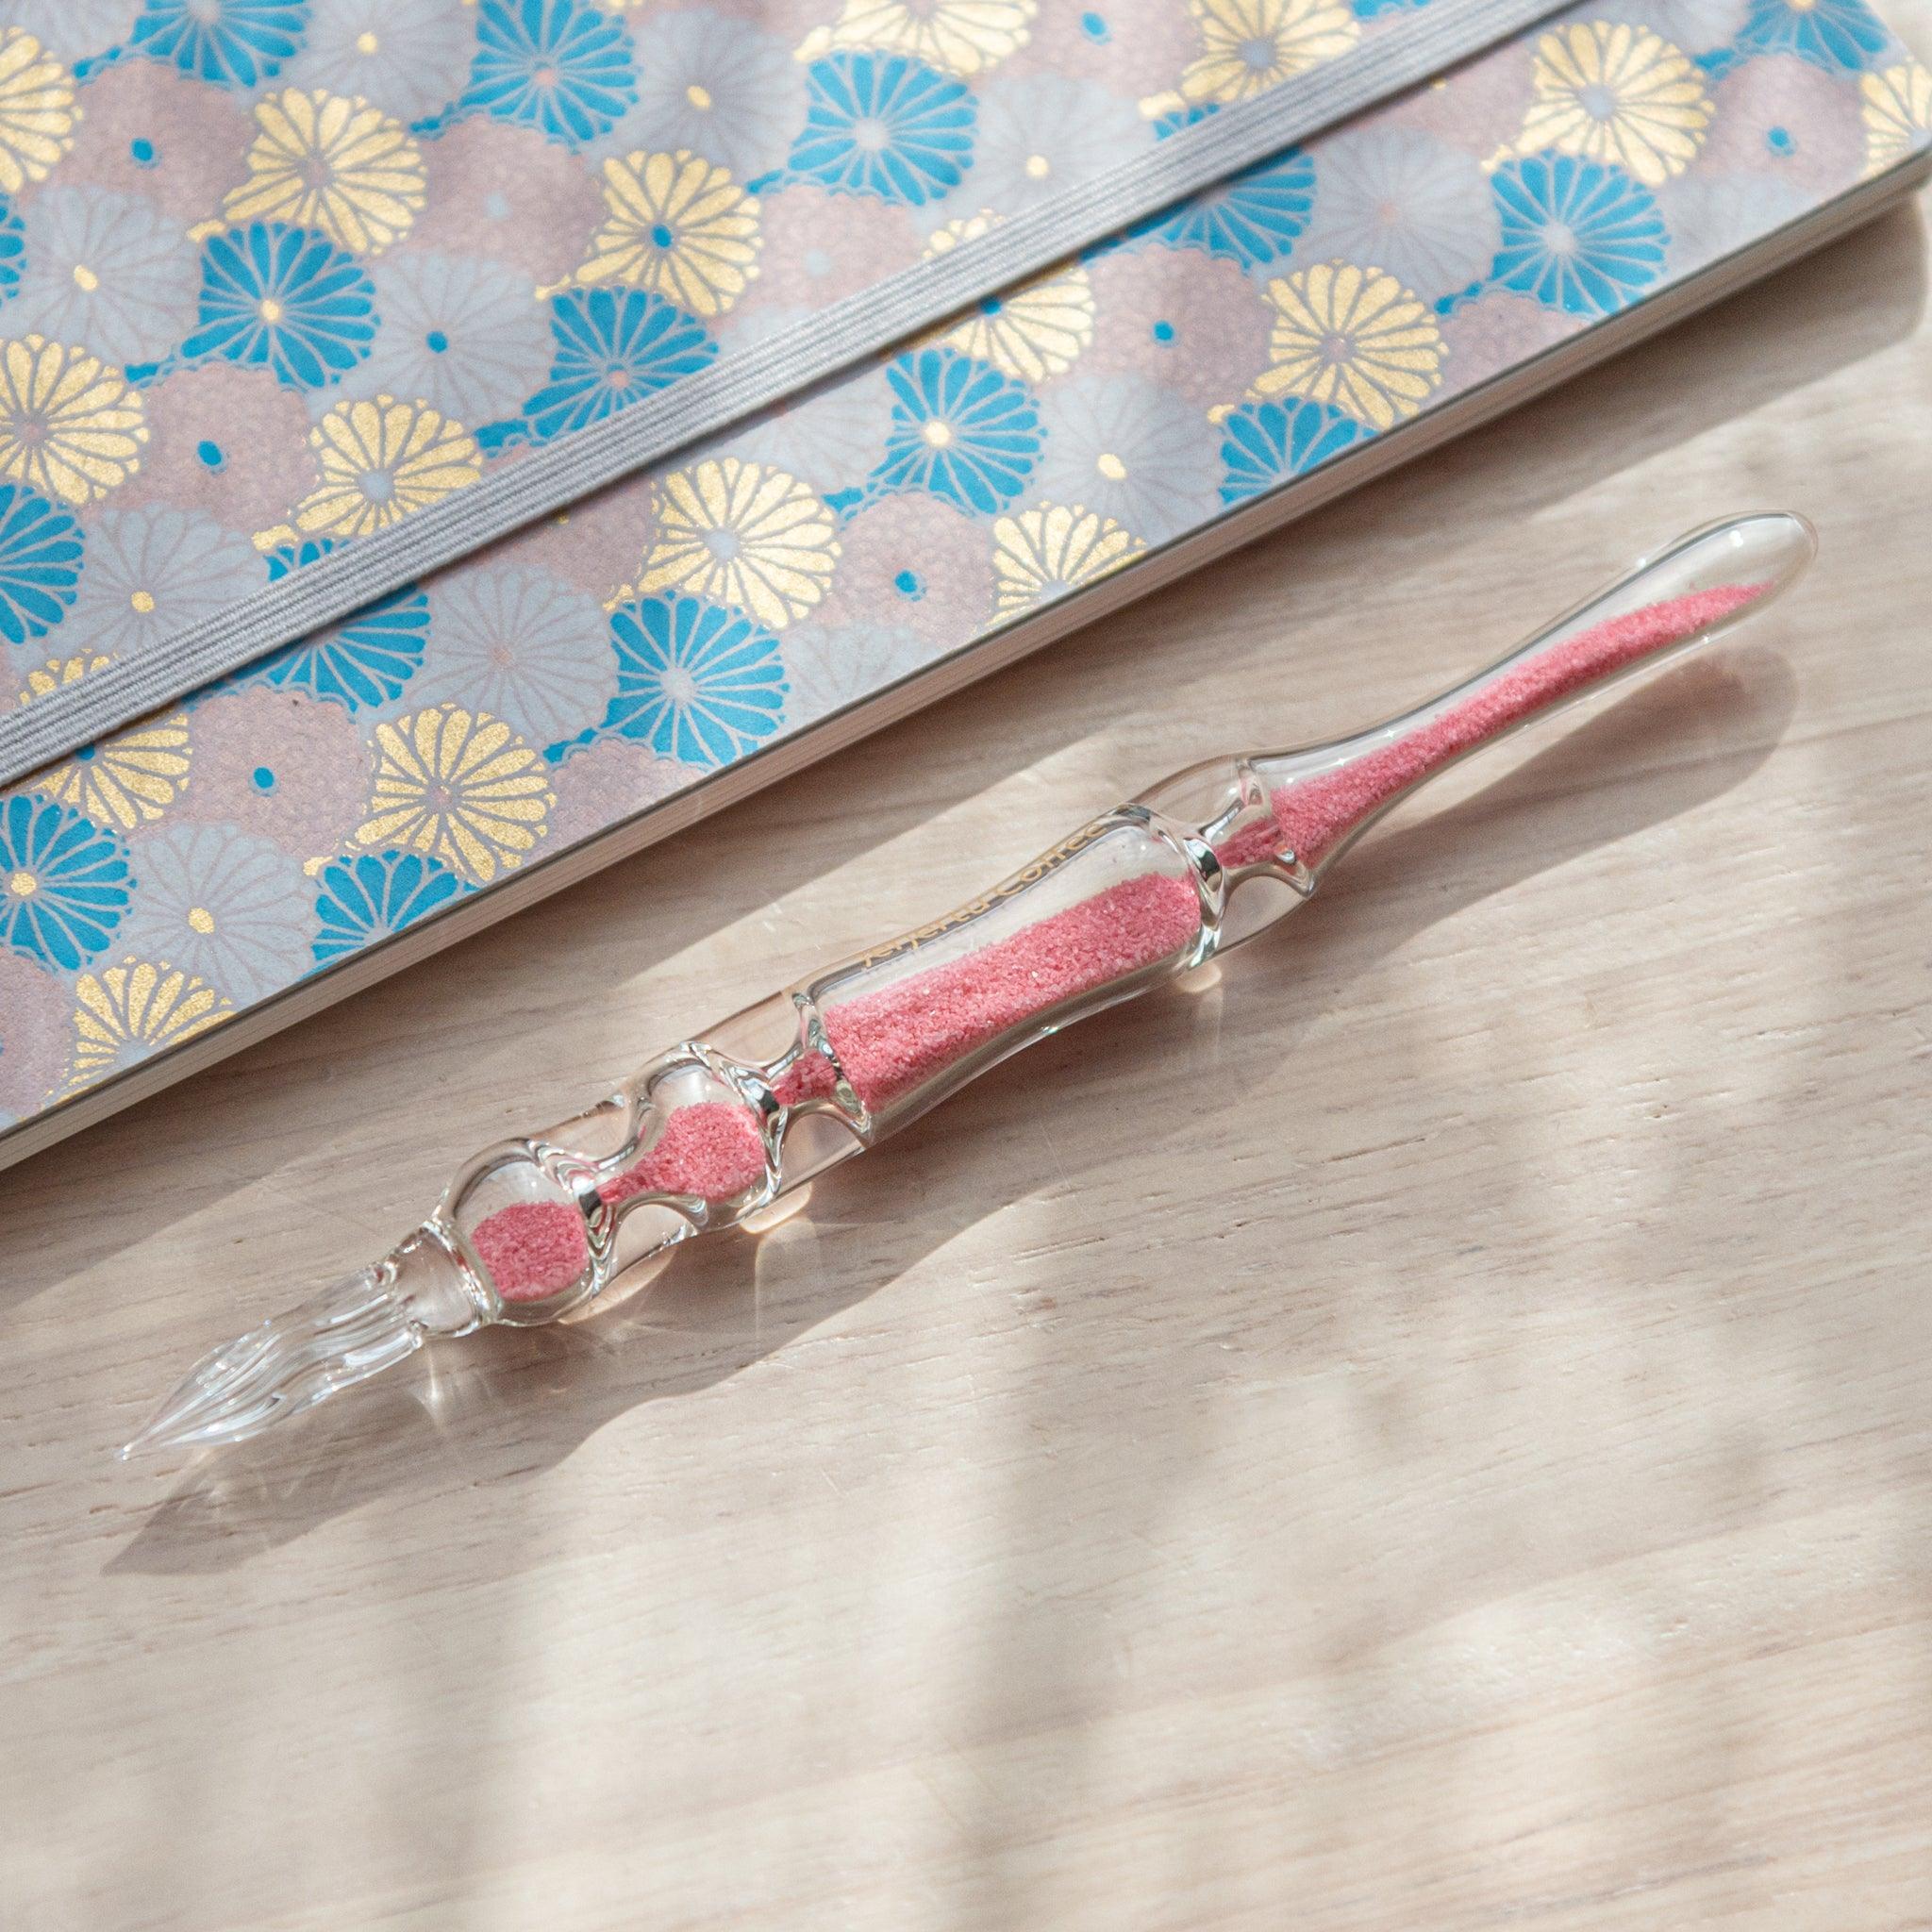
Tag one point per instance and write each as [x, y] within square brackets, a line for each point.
[444, 447]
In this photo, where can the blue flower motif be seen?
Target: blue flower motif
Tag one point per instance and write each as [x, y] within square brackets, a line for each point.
[883, 125]
[1263, 444]
[1177, 118]
[64, 881]
[1578, 235]
[961, 431]
[613, 348]
[1840, 35]
[285, 557]
[1368, 10]
[235, 43]
[694, 682]
[39, 563]
[364, 660]
[13, 247]
[285, 297]
[1251, 219]
[556, 65]
[369, 897]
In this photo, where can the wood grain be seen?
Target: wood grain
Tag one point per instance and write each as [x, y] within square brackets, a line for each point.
[1429, 1432]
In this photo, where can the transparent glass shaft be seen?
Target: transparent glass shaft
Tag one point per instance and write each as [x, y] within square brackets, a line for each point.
[716, 1128]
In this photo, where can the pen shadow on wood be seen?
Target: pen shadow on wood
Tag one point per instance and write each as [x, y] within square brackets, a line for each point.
[506, 1406]
[1848, 302]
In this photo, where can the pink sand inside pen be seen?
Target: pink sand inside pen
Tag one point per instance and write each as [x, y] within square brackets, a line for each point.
[892, 1042]
[532, 1248]
[1312, 815]
[888, 1043]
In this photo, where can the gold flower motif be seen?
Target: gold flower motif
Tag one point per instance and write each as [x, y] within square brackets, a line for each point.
[321, 162]
[1248, 46]
[137, 1009]
[459, 786]
[57, 672]
[381, 459]
[126, 780]
[1352, 336]
[678, 225]
[1055, 547]
[70, 426]
[1897, 112]
[1618, 93]
[963, 37]
[37, 109]
[949, 235]
[743, 534]
[1036, 331]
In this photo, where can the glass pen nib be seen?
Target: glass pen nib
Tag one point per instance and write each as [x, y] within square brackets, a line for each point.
[349, 1332]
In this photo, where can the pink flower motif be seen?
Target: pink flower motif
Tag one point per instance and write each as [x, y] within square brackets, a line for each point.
[1497, 331]
[787, 20]
[598, 543]
[34, 1025]
[1146, 45]
[916, 564]
[820, 247]
[229, 441]
[1778, 116]
[608, 782]
[1478, 107]
[191, 136]
[1196, 326]
[506, 192]
[292, 769]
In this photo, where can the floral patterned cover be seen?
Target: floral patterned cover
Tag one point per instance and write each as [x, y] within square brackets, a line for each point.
[274, 274]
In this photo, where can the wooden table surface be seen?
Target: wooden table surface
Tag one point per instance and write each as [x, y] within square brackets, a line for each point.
[1432, 1432]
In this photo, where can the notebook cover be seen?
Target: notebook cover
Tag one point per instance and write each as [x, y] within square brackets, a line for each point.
[266, 263]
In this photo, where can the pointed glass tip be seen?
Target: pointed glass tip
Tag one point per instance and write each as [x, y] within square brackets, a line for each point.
[349, 1332]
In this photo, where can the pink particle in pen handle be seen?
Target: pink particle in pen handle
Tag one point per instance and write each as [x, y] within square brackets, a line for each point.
[888, 1043]
[892, 1042]
[711, 1149]
[1312, 815]
[532, 1248]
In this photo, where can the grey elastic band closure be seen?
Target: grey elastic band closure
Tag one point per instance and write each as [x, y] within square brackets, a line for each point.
[555, 475]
